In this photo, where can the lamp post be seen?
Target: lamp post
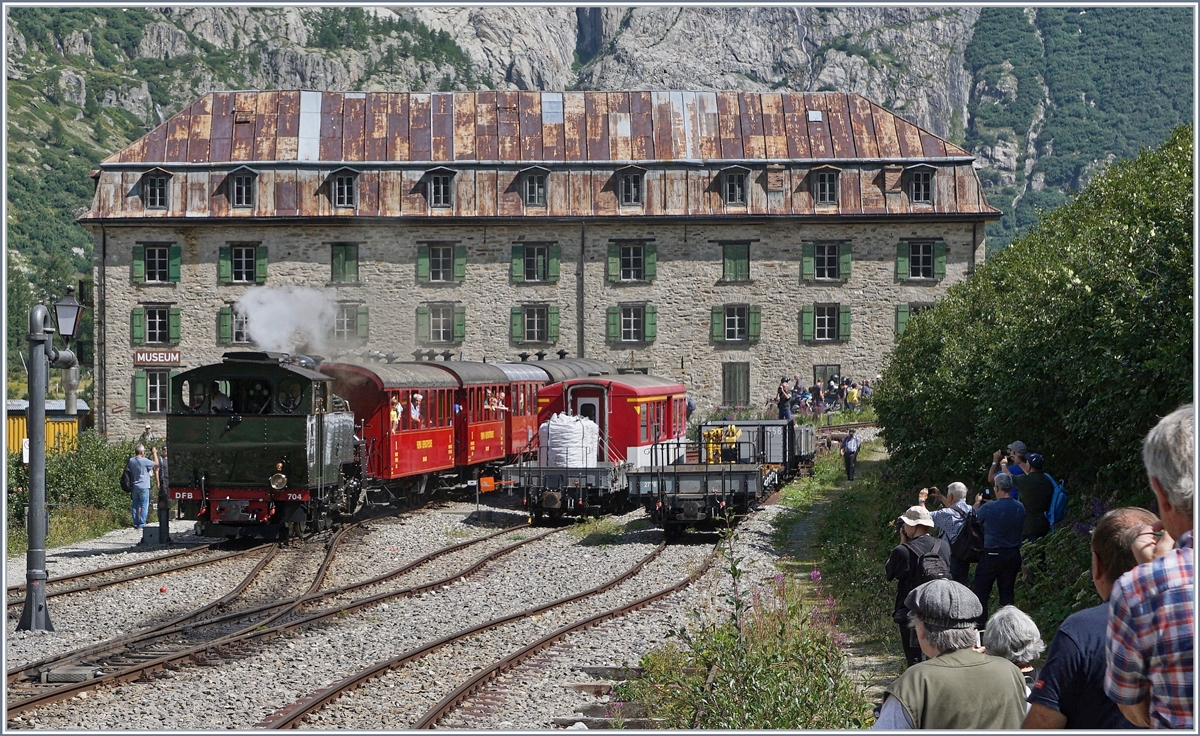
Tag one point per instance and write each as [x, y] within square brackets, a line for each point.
[67, 312]
[42, 355]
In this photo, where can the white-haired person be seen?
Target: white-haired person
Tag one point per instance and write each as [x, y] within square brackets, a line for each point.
[950, 520]
[1012, 635]
[957, 687]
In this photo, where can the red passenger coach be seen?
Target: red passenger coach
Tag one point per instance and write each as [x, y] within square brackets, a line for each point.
[526, 379]
[480, 411]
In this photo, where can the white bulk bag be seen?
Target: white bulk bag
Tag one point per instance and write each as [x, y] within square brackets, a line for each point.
[566, 441]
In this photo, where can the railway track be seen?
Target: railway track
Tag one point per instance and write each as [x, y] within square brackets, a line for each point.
[294, 715]
[838, 428]
[116, 568]
[158, 651]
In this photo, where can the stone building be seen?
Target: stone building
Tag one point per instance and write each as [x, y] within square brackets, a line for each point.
[723, 238]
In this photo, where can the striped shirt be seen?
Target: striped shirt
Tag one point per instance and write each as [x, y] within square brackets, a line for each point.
[1150, 637]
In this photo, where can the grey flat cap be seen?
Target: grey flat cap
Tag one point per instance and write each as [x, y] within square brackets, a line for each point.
[944, 603]
[1018, 447]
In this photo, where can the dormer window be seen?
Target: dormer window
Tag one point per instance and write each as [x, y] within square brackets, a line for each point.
[534, 186]
[825, 185]
[734, 185]
[343, 187]
[920, 184]
[242, 184]
[155, 189]
[631, 179]
[440, 187]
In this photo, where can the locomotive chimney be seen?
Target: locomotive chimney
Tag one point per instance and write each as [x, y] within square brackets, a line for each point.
[562, 353]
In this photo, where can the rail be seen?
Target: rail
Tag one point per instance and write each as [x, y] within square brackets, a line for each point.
[124, 566]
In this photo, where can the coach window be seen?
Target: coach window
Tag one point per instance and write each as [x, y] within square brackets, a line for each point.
[645, 422]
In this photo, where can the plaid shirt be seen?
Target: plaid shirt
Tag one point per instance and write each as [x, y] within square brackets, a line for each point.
[1150, 637]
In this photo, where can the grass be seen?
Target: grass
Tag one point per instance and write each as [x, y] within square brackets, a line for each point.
[599, 532]
[70, 524]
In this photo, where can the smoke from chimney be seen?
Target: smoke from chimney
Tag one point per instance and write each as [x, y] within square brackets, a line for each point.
[281, 319]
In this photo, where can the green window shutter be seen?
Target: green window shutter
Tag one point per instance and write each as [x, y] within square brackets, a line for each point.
[422, 263]
[844, 322]
[518, 263]
[718, 324]
[517, 324]
[939, 260]
[137, 325]
[808, 261]
[225, 264]
[845, 257]
[901, 318]
[651, 331]
[350, 273]
[552, 324]
[555, 256]
[139, 392]
[460, 263]
[260, 264]
[460, 323]
[173, 326]
[363, 323]
[613, 324]
[755, 322]
[225, 326]
[650, 261]
[138, 271]
[901, 261]
[614, 262]
[174, 257]
[422, 323]
[744, 262]
[808, 322]
[337, 259]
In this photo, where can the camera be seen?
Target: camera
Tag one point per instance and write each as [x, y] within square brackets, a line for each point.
[986, 492]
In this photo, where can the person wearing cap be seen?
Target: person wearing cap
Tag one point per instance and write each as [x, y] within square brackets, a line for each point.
[1036, 491]
[1007, 460]
[957, 687]
[1002, 520]
[904, 565]
[850, 447]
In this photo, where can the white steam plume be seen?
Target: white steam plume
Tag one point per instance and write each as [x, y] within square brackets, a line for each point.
[281, 319]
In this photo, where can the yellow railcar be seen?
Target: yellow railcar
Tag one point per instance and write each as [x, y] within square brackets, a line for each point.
[61, 430]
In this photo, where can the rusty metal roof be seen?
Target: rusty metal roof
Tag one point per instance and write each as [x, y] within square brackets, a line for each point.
[532, 127]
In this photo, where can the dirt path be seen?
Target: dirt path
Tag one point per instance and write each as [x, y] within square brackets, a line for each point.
[867, 661]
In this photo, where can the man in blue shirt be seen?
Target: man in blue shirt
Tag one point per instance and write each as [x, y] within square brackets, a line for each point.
[1003, 521]
[850, 447]
[141, 467]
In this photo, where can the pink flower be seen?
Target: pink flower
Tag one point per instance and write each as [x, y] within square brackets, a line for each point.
[815, 575]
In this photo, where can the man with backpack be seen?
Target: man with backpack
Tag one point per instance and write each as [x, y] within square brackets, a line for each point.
[950, 520]
[919, 558]
[1036, 490]
[1003, 519]
[137, 471]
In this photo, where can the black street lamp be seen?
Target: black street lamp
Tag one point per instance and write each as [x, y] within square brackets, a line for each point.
[42, 356]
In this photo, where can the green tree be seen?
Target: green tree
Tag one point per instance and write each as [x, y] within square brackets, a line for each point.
[1075, 339]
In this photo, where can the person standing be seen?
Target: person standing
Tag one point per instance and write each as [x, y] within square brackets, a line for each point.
[850, 447]
[852, 397]
[1150, 658]
[140, 467]
[1069, 689]
[950, 520]
[911, 563]
[1002, 520]
[783, 399]
[1036, 492]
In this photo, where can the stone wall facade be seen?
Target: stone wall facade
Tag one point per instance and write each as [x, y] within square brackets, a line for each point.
[689, 281]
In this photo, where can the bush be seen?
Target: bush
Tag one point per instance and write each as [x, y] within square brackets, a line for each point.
[1075, 339]
[84, 475]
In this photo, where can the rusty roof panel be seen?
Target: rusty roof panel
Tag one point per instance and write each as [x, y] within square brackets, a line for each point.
[604, 195]
[354, 127]
[663, 145]
[486, 142]
[580, 191]
[931, 145]
[796, 125]
[508, 130]
[728, 108]
[222, 113]
[575, 125]
[966, 191]
[909, 137]
[850, 203]
[286, 200]
[486, 195]
[774, 130]
[885, 132]
[220, 150]
[368, 194]
[945, 198]
[331, 130]
[197, 142]
[218, 202]
[375, 135]
[419, 123]
[819, 138]
[529, 109]
[266, 126]
[441, 127]
[412, 194]
[397, 127]
[596, 106]
[863, 125]
[839, 127]
[156, 144]
[753, 142]
[464, 126]
[676, 191]
[872, 182]
[508, 194]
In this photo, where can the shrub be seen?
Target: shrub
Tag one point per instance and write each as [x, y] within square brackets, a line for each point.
[84, 475]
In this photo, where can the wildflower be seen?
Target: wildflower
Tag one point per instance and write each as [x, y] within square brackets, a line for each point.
[1097, 508]
[1082, 529]
[829, 602]
[815, 575]
[779, 577]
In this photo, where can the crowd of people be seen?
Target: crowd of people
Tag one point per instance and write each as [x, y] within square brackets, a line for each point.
[1126, 663]
[839, 394]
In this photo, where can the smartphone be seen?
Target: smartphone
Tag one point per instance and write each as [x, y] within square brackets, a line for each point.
[978, 639]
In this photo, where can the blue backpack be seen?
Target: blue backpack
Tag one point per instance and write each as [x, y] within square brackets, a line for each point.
[1058, 503]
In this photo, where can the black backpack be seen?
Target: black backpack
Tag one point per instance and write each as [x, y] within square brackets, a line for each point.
[968, 545]
[127, 479]
[929, 566]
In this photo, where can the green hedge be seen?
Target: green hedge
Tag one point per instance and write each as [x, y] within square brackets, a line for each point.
[1075, 339]
[87, 474]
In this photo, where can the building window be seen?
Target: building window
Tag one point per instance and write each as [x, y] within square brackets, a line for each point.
[157, 264]
[827, 187]
[922, 187]
[920, 260]
[737, 262]
[157, 383]
[537, 263]
[241, 327]
[350, 323]
[243, 263]
[735, 384]
[154, 189]
[536, 322]
[243, 190]
[633, 263]
[441, 323]
[823, 374]
[632, 324]
[735, 187]
[345, 190]
[441, 263]
[439, 190]
[826, 322]
[157, 325]
[737, 322]
[344, 263]
[631, 188]
[826, 255]
[535, 190]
